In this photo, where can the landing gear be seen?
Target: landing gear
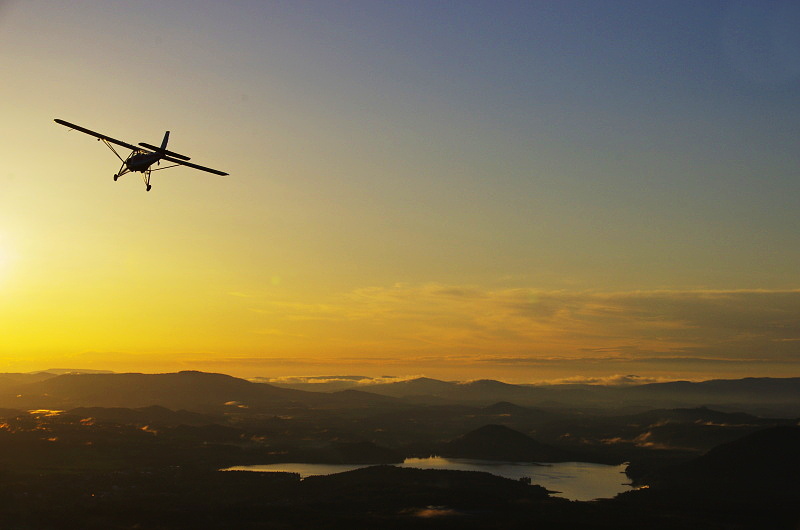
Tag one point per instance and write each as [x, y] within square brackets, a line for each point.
[148, 187]
[115, 177]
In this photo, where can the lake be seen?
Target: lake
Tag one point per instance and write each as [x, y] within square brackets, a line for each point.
[577, 481]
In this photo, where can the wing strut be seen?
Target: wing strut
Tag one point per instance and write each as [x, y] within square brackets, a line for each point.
[112, 148]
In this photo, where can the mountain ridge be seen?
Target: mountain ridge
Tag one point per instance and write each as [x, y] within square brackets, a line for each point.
[199, 391]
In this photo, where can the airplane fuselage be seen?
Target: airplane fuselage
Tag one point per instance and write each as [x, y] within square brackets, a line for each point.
[141, 161]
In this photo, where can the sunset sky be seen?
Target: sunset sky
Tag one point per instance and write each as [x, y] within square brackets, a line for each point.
[518, 190]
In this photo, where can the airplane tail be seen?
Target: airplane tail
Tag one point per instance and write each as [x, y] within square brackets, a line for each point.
[163, 148]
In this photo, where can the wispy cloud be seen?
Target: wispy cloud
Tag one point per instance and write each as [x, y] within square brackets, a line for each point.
[736, 325]
[612, 380]
[355, 380]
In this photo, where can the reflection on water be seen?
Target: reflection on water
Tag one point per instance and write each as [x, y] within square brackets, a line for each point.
[577, 481]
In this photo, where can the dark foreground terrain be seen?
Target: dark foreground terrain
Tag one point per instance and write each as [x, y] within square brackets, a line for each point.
[111, 456]
[373, 497]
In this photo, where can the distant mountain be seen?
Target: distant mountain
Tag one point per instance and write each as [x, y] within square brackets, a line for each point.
[492, 385]
[480, 392]
[489, 389]
[354, 398]
[764, 396]
[497, 442]
[697, 415]
[189, 390]
[199, 391]
[421, 386]
[184, 390]
[483, 392]
[10, 381]
[749, 389]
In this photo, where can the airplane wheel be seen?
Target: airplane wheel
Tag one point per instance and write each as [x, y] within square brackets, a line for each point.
[116, 177]
[148, 187]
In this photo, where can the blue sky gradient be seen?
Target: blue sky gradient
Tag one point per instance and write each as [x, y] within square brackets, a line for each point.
[579, 152]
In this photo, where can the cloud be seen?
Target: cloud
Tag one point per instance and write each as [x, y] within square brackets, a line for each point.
[611, 380]
[324, 380]
[607, 359]
[531, 327]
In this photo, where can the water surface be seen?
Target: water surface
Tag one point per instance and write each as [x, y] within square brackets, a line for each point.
[577, 481]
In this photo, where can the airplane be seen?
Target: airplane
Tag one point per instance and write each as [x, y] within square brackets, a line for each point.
[141, 159]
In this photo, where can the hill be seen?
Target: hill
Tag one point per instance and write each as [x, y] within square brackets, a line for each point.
[766, 460]
[183, 390]
[188, 390]
[406, 489]
[778, 397]
[203, 392]
[10, 381]
[497, 442]
[743, 394]
[421, 386]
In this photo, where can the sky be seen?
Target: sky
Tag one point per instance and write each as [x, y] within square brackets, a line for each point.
[523, 191]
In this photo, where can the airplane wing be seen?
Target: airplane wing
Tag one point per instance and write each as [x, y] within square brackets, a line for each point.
[195, 166]
[96, 135]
